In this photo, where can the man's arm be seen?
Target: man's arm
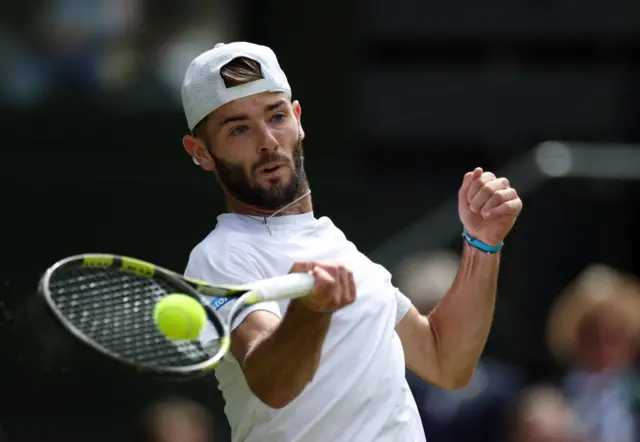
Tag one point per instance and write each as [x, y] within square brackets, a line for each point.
[280, 357]
[444, 347]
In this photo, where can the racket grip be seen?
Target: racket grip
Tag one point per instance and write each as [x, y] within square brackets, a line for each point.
[293, 285]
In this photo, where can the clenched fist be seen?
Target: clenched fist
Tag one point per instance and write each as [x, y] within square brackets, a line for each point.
[334, 288]
[488, 206]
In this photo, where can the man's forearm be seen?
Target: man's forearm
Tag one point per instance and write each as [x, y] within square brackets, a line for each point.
[462, 321]
[280, 365]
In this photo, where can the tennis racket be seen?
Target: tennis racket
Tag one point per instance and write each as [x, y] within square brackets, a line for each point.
[107, 301]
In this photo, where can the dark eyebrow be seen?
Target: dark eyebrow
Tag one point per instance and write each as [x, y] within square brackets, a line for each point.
[235, 118]
[275, 105]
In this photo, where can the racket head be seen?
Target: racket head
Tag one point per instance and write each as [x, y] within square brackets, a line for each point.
[106, 302]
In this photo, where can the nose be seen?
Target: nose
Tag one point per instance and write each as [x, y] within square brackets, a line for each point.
[268, 141]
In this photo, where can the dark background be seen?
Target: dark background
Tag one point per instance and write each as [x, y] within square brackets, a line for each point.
[400, 98]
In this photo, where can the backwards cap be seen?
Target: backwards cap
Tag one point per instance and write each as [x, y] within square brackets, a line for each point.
[203, 89]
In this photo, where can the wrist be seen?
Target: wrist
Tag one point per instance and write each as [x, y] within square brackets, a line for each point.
[490, 247]
[304, 308]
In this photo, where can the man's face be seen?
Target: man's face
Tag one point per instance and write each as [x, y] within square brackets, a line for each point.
[605, 340]
[256, 147]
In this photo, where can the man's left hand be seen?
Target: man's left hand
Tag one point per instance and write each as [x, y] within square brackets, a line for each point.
[488, 206]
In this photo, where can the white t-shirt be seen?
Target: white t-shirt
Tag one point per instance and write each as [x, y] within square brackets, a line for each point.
[359, 392]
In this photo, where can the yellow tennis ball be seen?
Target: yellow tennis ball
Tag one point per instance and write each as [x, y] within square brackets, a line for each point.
[179, 317]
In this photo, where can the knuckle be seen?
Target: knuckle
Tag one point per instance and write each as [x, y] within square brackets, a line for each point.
[330, 282]
[332, 269]
[323, 285]
[487, 189]
[510, 194]
[501, 196]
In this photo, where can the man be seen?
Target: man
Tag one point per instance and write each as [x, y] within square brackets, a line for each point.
[594, 331]
[329, 366]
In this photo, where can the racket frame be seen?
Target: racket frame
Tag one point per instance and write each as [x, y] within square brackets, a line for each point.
[187, 286]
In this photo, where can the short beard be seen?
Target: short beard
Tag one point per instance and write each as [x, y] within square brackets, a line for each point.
[235, 181]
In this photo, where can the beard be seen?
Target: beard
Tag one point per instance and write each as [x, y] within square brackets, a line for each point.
[238, 184]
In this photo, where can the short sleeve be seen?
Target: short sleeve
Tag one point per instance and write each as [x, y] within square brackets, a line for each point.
[232, 267]
[403, 305]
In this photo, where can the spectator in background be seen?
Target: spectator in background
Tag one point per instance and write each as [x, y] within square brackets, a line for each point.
[70, 30]
[543, 415]
[476, 412]
[593, 329]
[175, 420]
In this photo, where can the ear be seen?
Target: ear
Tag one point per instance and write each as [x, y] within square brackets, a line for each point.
[198, 151]
[297, 110]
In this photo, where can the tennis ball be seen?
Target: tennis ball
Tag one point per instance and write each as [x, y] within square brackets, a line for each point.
[179, 317]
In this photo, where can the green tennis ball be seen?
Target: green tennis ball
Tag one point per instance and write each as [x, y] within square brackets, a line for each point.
[179, 317]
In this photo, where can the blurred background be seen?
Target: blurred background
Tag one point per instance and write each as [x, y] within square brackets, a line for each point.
[400, 99]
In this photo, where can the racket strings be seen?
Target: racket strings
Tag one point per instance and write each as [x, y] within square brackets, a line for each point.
[114, 309]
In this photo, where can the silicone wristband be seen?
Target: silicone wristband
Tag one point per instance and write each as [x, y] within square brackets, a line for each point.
[479, 244]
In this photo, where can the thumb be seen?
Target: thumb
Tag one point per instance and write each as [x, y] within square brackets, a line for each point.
[324, 280]
[469, 178]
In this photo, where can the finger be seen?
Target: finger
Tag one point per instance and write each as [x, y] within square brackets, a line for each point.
[498, 197]
[512, 208]
[343, 297]
[477, 184]
[352, 287]
[467, 180]
[331, 267]
[324, 280]
[486, 192]
[349, 286]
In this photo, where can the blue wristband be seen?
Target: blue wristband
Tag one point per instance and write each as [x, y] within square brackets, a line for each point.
[473, 242]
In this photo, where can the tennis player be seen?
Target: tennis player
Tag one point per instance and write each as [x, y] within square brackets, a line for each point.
[330, 366]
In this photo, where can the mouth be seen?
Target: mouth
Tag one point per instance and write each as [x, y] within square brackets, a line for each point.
[271, 168]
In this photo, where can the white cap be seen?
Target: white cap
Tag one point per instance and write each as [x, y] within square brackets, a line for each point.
[203, 89]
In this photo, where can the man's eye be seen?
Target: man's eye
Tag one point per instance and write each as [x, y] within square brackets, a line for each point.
[238, 130]
[277, 118]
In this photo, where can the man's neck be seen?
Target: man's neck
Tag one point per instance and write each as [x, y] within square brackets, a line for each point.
[303, 205]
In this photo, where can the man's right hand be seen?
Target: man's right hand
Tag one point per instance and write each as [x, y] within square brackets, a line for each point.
[279, 357]
[334, 288]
